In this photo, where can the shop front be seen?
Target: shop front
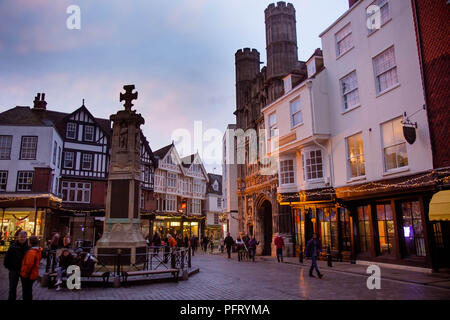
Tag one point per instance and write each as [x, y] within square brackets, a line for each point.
[316, 211]
[388, 223]
[29, 213]
[186, 225]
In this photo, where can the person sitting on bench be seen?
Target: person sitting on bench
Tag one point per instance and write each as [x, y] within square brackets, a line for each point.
[86, 264]
[65, 260]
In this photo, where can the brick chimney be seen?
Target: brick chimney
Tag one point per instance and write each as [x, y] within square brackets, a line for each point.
[39, 102]
[351, 3]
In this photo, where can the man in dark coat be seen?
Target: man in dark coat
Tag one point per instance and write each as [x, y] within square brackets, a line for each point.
[228, 244]
[13, 262]
[156, 242]
[313, 248]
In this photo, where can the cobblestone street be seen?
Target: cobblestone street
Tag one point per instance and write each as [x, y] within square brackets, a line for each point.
[220, 278]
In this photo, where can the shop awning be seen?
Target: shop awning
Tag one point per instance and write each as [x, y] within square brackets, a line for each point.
[440, 206]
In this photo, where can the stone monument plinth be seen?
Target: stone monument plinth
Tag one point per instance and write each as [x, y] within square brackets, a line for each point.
[121, 232]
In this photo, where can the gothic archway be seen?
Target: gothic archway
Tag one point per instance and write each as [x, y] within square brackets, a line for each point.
[265, 217]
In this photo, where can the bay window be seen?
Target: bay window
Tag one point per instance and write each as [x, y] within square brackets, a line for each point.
[312, 165]
[76, 191]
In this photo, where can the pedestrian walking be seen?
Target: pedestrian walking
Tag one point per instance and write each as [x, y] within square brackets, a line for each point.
[211, 243]
[192, 245]
[313, 249]
[240, 246]
[30, 268]
[65, 260]
[252, 244]
[13, 262]
[186, 241]
[279, 244]
[229, 244]
[205, 241]
[222, 245]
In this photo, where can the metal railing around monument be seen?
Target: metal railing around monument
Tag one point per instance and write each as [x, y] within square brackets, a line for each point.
[155, 258]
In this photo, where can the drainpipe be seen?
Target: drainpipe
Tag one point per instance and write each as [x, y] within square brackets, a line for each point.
[330, 156]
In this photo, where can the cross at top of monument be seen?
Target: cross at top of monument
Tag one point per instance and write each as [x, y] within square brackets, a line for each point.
[128, 96]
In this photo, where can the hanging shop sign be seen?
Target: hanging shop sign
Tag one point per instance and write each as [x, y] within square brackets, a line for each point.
[409, 131]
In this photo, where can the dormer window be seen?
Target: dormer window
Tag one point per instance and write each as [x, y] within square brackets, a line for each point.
[215, 186]
[169, 159]
[71, 132]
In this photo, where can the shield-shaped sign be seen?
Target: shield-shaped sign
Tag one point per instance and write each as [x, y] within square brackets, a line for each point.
[409, 133]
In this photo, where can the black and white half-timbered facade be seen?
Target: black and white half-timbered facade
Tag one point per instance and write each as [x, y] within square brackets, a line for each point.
[62, 160]
[147, 199]
[84, 174]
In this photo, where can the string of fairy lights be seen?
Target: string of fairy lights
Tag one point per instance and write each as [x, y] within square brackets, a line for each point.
[417, 182]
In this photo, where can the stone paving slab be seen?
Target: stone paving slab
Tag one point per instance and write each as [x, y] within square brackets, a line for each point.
[227, 279]
[388, 273]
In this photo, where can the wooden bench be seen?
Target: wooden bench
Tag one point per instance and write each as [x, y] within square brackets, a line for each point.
[104, 275]
[125, 275]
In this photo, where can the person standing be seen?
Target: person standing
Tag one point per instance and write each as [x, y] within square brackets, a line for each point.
[192, 245]
[13, 262]
[30, 268]
[211, 241]
[279, 244]
[66, 241]
[229, 244]
[252, 244]
[205, 243]
[156, 241]
[313, 249]
[172, 242]
[240, 247]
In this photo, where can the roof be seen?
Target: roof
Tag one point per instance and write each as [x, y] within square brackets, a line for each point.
[209, 186]
[340, 18]
[161, 153]
[188, 160]
[26, 116]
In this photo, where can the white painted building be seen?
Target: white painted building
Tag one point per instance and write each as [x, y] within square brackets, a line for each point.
[381, 69]
[229, 185]
[30, 154]
[180, 191]
[345, 168]
[24, 148]
[215, 225]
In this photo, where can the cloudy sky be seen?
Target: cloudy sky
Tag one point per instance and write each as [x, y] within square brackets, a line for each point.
[178, 53]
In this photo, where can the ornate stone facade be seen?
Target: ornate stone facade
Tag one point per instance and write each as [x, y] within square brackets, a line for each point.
[259, 212]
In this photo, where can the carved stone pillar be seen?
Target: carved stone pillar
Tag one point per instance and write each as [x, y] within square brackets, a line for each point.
[122, 224]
